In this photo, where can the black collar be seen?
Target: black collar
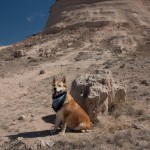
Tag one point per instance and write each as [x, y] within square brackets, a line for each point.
[58, 101]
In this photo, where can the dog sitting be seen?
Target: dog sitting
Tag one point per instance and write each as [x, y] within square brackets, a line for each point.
[67, 110]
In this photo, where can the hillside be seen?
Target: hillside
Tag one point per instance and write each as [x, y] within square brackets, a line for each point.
[79, 37]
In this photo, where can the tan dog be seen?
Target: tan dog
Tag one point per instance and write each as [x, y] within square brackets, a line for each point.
[67, 110]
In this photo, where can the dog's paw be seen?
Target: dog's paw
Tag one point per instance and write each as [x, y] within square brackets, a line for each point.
[62, 133]
[83, 131]
[86, 131]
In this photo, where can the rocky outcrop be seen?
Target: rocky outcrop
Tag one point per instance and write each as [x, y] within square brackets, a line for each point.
[98, 93]
[72, 14]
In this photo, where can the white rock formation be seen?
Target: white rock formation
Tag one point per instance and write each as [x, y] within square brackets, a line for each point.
[97, 93]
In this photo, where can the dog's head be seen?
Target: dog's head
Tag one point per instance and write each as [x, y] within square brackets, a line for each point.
[59, 86]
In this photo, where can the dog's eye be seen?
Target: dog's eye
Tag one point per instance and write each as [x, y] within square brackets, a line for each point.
[59, 85]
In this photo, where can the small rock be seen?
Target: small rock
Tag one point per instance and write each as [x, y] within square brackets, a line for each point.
[107, 67]
[29, 44]
[18, 54]
[135, 126]
[144, 82]
[69, 45]
[97, 71]
[21, 85]
[91, 40]
[77, 68]
[122, 66]
[41, 54]
[13, 123]
[41, 50]
[29, 57]
[42, 72]
[144, 94]
[33, 60]
[32, 115]
[49, 143]
[131, 67]
[134, 87]
[21, 117]
[147, 99]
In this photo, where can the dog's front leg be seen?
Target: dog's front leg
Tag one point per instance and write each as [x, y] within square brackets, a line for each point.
[57, 122]
[63, 128]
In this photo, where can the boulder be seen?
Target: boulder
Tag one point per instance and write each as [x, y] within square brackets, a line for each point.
[97, 93]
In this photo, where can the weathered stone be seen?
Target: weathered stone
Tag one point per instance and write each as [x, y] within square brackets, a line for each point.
[97, 93]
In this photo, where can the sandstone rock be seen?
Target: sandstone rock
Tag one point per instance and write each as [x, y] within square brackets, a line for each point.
[97, 93]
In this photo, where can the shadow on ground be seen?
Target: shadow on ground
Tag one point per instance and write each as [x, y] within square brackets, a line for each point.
[49, 119]
[35, 134]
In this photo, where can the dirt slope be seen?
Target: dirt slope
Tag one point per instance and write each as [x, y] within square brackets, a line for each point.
[85, 35]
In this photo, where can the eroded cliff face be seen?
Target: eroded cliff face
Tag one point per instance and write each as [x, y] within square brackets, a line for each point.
[72, 14]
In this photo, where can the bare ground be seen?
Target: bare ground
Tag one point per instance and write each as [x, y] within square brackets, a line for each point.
[122, 48]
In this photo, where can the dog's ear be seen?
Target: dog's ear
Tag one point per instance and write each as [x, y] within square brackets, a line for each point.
[54, 80]
[64, 79]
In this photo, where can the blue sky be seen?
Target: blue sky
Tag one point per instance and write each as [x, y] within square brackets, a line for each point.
[22, 18]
